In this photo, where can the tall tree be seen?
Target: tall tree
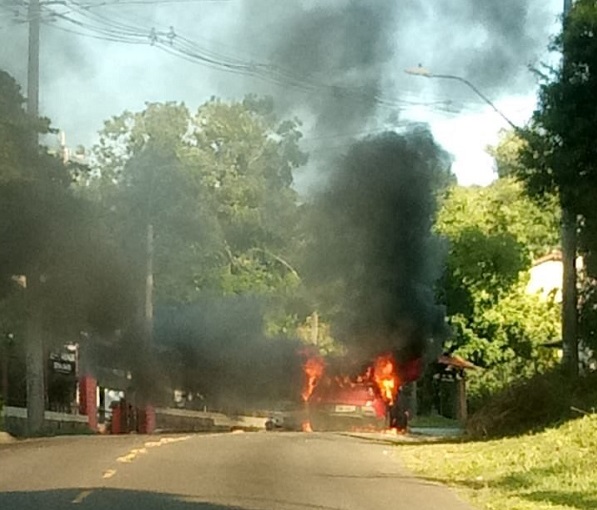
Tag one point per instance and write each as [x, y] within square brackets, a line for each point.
[493, 233]
[559, 157]
[217, 187]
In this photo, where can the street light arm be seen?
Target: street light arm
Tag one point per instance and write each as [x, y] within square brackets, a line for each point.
[479, 93]
[422, 71]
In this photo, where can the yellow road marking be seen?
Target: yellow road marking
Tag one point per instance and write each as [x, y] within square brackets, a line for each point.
[82, 496]
[126, 458]
[135, 452]
[108, 474]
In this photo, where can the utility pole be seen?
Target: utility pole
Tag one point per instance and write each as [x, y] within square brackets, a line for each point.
[34, 351]
[315, 328]
[148, 316]
[33, 15]
[569, 291]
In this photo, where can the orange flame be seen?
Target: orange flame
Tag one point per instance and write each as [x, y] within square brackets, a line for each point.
[386, 378]
[313, 368]
[306, 426]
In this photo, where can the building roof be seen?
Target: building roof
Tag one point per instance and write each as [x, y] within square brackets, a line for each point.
[554, 256]
[456, 362]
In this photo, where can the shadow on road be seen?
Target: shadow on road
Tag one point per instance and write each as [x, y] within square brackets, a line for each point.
[102, 499]
[117, 499]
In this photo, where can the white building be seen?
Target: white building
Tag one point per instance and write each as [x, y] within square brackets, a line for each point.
[546, 276]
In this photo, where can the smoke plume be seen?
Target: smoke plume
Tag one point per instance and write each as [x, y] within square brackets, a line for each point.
[217, 347]
[374, 245]
[346, 43]
[333, 55]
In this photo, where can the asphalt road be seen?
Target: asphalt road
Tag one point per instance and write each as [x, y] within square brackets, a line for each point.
[252, 471]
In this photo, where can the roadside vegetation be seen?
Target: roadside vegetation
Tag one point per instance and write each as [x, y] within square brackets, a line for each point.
[553, 469]
[434, 421]
[532, 405]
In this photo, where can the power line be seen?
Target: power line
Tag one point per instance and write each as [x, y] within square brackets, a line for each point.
[190, 51]
[101, 27]
[150, 2]
[92, 36]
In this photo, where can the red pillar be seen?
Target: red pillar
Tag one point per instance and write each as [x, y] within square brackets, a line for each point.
[150, 419]
[88, 400]
[146, 417]
[116, 423]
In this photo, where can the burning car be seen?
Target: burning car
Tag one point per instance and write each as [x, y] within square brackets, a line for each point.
[371, 400]
[346, 406]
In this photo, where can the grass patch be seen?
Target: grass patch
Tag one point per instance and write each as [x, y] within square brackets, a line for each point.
[435, 421]
[554, 469]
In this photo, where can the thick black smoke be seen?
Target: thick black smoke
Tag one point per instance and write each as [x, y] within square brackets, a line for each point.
[217, 347]
[332, 55]
[374, 245]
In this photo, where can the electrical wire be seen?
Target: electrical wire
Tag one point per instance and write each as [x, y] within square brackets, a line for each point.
[98, 26]
[92, 36]
[150, 2]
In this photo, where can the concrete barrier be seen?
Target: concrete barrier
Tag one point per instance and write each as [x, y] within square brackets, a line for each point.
[166, 420]
[183, 420]
[15, 422]
[249, 422]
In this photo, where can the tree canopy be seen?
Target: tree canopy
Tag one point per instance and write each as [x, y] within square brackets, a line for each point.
[559, 156]
[216, 186]
[493, 234]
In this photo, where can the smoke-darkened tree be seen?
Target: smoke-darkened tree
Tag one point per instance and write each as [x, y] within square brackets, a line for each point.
[68, 281]
[217, 347]
[47, 231]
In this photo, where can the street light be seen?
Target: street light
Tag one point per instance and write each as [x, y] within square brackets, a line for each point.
[426, 73]
[568, 235]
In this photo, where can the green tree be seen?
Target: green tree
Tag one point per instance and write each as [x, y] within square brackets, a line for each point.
[559, 156]
[216, 185]
[245, 157]
[507, 153]
[493, 234]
